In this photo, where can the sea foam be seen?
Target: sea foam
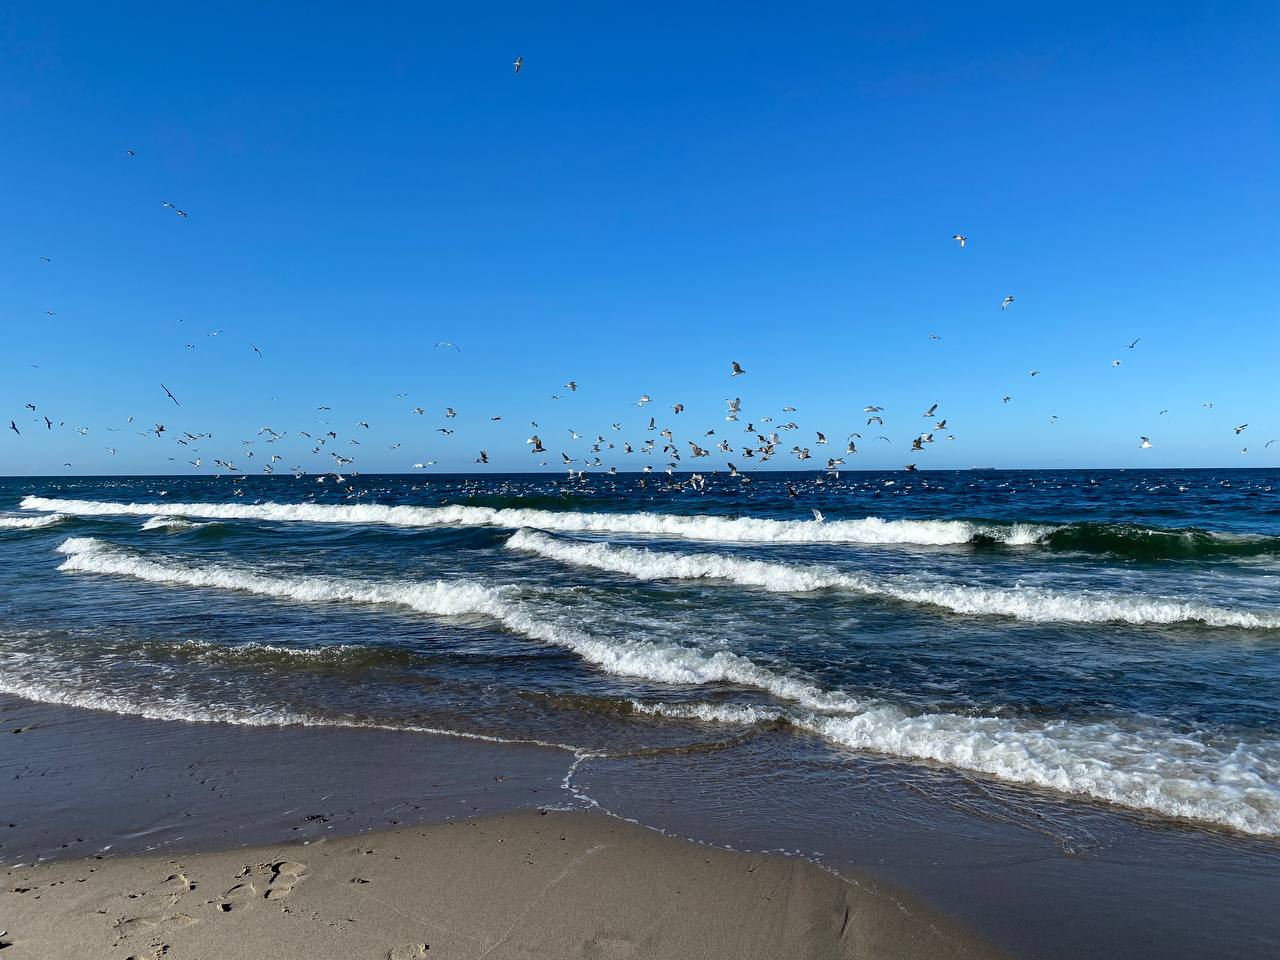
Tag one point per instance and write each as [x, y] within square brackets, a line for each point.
[1022, 603]
[1180, 775]
[869, 530]
[31, 523]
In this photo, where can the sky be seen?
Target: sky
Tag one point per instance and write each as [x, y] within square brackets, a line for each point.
[661, 190]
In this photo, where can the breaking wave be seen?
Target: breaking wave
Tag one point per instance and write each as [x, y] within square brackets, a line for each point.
[1234, 785]
[31, 523]
[1126, 540]
[1022, 603]
[870, 530]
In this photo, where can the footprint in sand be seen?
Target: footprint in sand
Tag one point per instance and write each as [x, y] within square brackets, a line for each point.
[238, 896]
[285, 875]
[410, 951]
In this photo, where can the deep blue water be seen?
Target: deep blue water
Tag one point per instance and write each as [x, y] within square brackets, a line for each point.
[1096, 635]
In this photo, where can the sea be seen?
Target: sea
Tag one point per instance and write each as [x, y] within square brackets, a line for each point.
[1085, 655]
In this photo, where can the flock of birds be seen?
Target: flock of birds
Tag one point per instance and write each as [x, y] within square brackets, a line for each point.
[765, 438]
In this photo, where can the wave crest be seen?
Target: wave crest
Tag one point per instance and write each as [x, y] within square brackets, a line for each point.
[1035, 604]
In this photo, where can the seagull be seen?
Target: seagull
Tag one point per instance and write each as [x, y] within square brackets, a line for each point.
[1146, 443]
[817, 515]
[644, 398]
[483, 458]
[518, 63]
[449, 343]
[1004, 304]
[930, 411]
[573, 386]
[170, 395]
[737, 369]
[131, 153]
[960, 239]
[677, 407]
[449, 412]
[45, 260]
[1033, 373]
[934, 336]
[1115, 363]
[14, 427]
[1240, 429]
[910, 468]
[1132, 345]
[257, 351]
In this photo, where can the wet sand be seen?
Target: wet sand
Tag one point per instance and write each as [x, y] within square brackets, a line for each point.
[1038, 877]
[527, 884]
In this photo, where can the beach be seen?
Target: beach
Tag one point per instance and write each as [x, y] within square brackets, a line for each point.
[246, 857]
[527, 884]
[106, 813]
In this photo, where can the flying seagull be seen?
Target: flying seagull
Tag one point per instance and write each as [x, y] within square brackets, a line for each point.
[449, 343]
[14, 427]
[1004, 304]
[1146, 443]
[256, 350]
[518, 63]
[960, 239]
[737, 369]
[169, 395]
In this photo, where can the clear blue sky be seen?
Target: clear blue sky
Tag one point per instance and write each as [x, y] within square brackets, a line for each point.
[663, 189]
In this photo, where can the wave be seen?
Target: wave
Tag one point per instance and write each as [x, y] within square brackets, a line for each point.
[1035, 604]
[32, 523]
[45, 691]
[174, 524]
[1179, 776]
[1126, 540]
[663, 663]
[1158, 543]
[1167, 773]
[870, 530]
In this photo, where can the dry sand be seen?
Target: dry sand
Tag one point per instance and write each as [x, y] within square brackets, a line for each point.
[528, 884]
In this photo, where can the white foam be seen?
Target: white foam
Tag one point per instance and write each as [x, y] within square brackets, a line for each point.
[1166, 773]
[1174, 775]
[31, 523]
[871, 530]
[649, 660]
[1022, 602]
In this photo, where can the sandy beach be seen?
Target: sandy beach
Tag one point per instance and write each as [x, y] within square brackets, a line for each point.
[526, 884]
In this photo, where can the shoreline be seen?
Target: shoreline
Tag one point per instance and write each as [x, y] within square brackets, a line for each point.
[78, 782]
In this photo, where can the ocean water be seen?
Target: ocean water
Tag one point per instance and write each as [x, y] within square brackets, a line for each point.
[1092, 637]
